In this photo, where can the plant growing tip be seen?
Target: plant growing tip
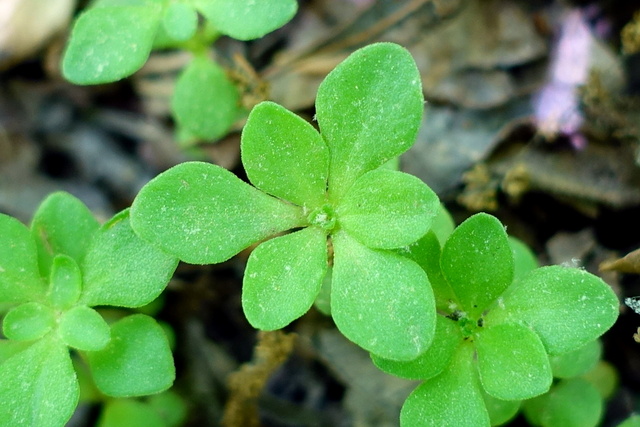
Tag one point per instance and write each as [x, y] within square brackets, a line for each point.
[326, 184]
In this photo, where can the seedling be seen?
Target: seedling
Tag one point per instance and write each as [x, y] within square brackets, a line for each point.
[51, 275]
[113, 39]
[500, 322]
[326, 187]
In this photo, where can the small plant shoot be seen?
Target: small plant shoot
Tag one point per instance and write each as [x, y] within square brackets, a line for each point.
[327, 189]
[51, 277]
[502, 324]
[112, 39]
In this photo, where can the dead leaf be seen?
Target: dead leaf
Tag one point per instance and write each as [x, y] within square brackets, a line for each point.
[630, 263]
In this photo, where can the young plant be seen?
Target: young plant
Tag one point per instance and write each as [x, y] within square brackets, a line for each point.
[113, 39]
[327, 189]
[51, 276]
[500, 322]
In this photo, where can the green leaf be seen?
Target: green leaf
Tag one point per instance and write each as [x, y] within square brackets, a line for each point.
[205, 102]
[285, 156]
[566, 307]
[443, 224]
[110, 43]
[387, 209]
[576, 362]
[10, 347]
[572, 403]
[38, 387]
[123, 270]
[381, 300]
[433, 361]
[136, 362]
[283, 278]
[84, 329]
[477, 261]
[28, 321]
[426, 253]
[129, 413]
[180, 21]
[524, 260]
[65, 283]
[604, 378]
[512, 362]
[204, 214]
[19, 277]
[369, 109]
[247, 20]
[171, 407]
[62, 224]
[452, 399]
[500, 411]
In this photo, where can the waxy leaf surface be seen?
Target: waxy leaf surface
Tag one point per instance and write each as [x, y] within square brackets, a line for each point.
[387, 209]
[477, 261]
[180, 21]
[452, 399]
[110, 43]
[577, 362]
[285, 156]
[247, 20]
[205, 102]
[203, 214]
[83, 328]
[137, 361]
[573, 403]
[381, 300]
[39, 386]
[566, 307]
[369, 109]
[283, 278]
[65, 282]
[123, 270]
[433, 361]
[28, 321]
[19, 275]
[512, 362]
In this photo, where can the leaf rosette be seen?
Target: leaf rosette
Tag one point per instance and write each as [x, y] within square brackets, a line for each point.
[51, 276]
[502, 324]
[327, 188]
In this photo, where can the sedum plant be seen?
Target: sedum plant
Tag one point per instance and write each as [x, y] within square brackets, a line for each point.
[325, 191]
[112, 39]
[52, 275]
[500, 324]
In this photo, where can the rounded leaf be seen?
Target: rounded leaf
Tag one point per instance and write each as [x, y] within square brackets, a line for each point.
[572, 403]
[110, 43]
[247, 20]
[65, 282]
[84, 329]
[512, 362]
[381, 301]
[369, 109]
[136, 362]
[576, 362]
[566, 307]
[477, 261]
[19, 275]
[433, 361]
[203, 214]
[205, 102]
[387, 209]
[123, 270]
[285, 156]
[500, 411]
[129, 412]
[62, 224]
[452, 399]
[283, 278]
[180, 21]
[39, 386]
[28, 321]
